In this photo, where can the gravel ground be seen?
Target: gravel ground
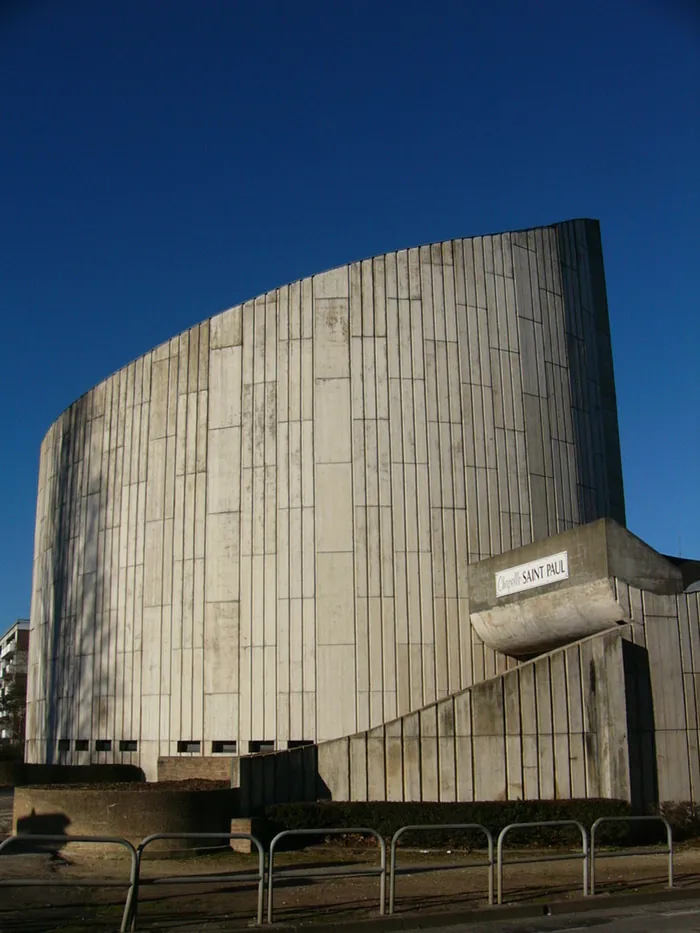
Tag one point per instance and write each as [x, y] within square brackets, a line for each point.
[434, 881]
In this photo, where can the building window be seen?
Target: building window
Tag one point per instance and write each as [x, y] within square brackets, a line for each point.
[103, 745]
[128, 745]
[261, 746]
[64, 745]
[189, 746]
[225, 746]
[82, 745]
[299, 743]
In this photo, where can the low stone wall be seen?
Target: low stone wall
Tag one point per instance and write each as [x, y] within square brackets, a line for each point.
[186, 768]
[131, 812]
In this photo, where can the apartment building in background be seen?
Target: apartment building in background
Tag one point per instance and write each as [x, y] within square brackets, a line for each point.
[14, 651]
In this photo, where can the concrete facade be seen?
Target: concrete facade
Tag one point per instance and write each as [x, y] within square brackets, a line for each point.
[615, 714]
[260, 532]
[532, 733]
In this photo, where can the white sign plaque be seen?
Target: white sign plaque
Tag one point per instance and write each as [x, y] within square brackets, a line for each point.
[536, 573]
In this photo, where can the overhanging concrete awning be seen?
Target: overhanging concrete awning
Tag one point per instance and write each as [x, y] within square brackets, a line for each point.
[556, 591]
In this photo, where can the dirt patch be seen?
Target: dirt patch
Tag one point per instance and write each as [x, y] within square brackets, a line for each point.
[142, 787]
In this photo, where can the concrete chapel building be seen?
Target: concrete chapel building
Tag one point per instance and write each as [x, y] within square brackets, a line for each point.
[343, 524]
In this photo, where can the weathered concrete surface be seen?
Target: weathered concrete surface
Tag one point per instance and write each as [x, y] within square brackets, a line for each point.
[559, 612]
[261, 530]
[555, 727]
[128, 813]
[613, 715]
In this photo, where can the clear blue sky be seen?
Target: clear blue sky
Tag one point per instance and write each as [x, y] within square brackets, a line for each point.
[161, 160]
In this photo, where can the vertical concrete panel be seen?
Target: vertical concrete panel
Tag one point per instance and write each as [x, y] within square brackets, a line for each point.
[394, 760]
[446, 750]
[429, 763]
[488, 725]
[376, 776]
[334, 768]
[358, 767]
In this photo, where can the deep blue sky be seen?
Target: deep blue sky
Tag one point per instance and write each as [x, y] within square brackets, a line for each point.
[161, 160]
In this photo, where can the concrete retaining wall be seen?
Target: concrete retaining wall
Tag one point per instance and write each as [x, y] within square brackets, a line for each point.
[130, 813]
[554, 728]
[615, 715]
[666, 630]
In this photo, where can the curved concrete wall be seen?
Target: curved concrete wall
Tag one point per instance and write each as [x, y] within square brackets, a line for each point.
[260, 531]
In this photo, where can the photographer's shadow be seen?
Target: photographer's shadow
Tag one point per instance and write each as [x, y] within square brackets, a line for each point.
[41, 824]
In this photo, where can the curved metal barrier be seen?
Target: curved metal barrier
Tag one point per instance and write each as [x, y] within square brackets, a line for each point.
[633, 819]
[129, 915]
[80, 883]
[431, 827]
[548, 858]
[200, 879]
[321, 873]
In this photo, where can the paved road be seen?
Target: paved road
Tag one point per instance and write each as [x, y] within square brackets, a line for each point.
[679, 917]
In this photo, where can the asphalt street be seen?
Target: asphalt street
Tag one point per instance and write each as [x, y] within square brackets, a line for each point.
[681, 917]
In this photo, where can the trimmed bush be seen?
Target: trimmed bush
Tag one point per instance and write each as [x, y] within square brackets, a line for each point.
[684, 817]
[10, 752]
[18, 774]
[387, 817]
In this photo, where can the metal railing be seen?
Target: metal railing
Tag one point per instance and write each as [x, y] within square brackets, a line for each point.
[325, 873]
[433, 827]
[30, 839]
[129, 915]
[201, 879]
[627, 852]
[547, 858]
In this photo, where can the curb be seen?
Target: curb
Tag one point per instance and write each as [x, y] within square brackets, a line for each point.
[427, 921]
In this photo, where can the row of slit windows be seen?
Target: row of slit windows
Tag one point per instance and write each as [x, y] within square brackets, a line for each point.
[222, 747]
[101, 745]
[231, 747]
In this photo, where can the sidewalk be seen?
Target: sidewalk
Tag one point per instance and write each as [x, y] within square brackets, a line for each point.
[435, 887]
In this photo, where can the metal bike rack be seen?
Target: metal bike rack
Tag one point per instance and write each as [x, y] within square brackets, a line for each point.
[81, 883]
[548, 858]
[200, 879]
[430, 827]
[633, 819]
[320, 873]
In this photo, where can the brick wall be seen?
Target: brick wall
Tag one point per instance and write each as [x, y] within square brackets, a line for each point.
[185, 768]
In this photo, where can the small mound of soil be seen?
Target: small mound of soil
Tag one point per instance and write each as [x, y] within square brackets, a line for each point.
[193, 784]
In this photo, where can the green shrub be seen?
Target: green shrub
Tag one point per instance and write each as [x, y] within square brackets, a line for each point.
[388, 817]
[684, 817]
[18, 773]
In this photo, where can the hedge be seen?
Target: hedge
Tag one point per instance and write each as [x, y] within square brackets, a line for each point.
[387, 817]
[19, 773]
